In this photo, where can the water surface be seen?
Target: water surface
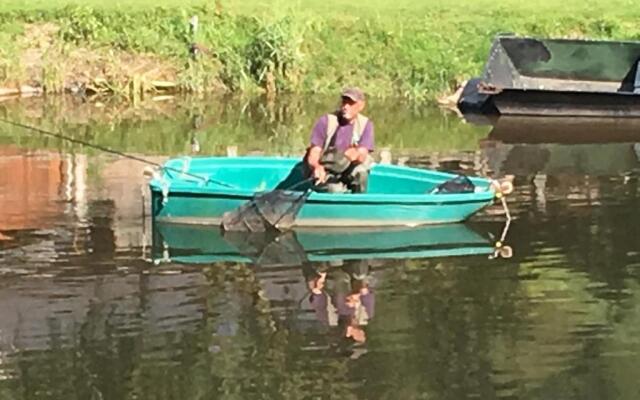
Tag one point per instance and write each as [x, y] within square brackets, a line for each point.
[96, 303]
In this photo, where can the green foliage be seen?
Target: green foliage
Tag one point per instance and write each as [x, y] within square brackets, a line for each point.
[405, 49]
[197, 76]
[273, 54]
[82, 25]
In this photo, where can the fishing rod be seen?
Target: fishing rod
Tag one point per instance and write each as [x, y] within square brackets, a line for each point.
[112, 151]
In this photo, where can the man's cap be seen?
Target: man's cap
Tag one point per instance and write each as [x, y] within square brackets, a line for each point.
[353, 93]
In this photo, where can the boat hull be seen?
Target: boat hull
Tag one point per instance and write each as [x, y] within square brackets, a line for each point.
[565, 103]
[182, 202]
[208, 210]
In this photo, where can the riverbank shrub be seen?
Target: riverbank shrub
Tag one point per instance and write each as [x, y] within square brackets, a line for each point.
[409, 51]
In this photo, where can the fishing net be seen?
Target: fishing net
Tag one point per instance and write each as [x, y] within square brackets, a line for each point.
[268, 248]
[459, 184]
[275, 210]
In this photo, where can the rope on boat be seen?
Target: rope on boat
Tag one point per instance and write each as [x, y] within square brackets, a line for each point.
[502, 189]
[186, 164]
[165, 192]
[166, 257]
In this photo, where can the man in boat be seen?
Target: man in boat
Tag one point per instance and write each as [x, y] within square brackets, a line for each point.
[341, 142]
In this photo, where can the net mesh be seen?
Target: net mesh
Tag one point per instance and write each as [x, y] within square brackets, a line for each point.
[268, 248]
[275, 210]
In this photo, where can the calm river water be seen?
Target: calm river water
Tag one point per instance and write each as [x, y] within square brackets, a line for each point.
[96, 302]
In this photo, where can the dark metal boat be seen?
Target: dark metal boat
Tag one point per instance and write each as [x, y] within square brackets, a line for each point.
[557, 77]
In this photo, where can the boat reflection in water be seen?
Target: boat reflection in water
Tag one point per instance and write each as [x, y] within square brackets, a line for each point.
[208, 244]
[566, 150]
[576, 130]
[328, 275]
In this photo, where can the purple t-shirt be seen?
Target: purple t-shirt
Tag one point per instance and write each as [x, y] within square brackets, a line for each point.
[343, 136]
[320, 304]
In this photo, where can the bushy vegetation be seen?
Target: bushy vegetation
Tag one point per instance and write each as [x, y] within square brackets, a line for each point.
[402, 49]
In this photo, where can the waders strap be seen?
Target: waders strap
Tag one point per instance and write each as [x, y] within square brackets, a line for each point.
[333, 125]
[358, 128]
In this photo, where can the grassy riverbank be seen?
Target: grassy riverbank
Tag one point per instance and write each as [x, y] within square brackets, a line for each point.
[404, 49]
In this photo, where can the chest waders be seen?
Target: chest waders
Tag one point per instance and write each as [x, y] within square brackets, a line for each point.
[344, 175]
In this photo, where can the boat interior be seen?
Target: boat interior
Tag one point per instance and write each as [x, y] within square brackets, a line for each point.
[256, 174]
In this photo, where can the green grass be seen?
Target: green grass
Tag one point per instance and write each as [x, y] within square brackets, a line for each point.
[344, 8]
[36, 5]
[410, 49]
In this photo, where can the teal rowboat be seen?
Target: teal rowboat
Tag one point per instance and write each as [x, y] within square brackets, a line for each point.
[200, 190]
[194, 244]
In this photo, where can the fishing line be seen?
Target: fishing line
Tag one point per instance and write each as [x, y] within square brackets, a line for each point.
[111, 151]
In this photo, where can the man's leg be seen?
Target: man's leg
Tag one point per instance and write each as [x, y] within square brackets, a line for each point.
[332, 185]
[337, 187]
[358, 176]
[359, 180]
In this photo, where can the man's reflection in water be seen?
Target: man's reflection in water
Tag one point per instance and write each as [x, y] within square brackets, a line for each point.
[342, 297]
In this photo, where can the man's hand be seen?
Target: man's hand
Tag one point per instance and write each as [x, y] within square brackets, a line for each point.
[320, 174]
[356, 154]
[352, 154]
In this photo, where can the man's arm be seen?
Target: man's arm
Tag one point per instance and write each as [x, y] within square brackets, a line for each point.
[313, 157]
[318, 137]
[313, 160]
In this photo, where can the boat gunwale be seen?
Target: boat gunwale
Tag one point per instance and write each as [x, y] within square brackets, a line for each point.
[567, 40]
[351, 198]
[569, 92]
[190, 186]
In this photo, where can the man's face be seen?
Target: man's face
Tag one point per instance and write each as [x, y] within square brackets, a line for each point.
[350, 108]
